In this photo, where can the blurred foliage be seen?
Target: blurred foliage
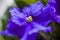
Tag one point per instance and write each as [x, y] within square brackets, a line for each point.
[22, 3]
[1, 38]
[0, 24]
[57, 31]
[5, 19]
[44, 1]
[10, 38]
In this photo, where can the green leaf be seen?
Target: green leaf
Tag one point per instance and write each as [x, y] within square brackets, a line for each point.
[22, 3]
[29, 1]
[44, 1]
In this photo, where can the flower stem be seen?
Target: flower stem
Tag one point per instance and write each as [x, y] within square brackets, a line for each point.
[43, 35]
[53, 30]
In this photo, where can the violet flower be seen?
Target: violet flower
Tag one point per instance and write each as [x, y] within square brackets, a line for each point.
[53, 6]
[26, 23]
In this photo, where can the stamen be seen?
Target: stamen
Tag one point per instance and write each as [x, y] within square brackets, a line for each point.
[29, 19]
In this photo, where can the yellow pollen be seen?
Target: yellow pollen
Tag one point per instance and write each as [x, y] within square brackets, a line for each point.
[29, 19]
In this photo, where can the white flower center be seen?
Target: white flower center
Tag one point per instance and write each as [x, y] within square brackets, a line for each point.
[29, 19]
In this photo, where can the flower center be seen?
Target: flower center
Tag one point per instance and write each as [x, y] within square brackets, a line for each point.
[29, 19]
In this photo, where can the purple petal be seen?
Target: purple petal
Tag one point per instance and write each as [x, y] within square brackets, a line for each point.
[44, 18]
[52, 3]
[58, 6]
[32, 36]
[28, 28]
[48, 29]
[26, 11]
[33, 9]
[54, 15]
[17, 17]
[36, 8]
[15, 29]
[37, 27]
